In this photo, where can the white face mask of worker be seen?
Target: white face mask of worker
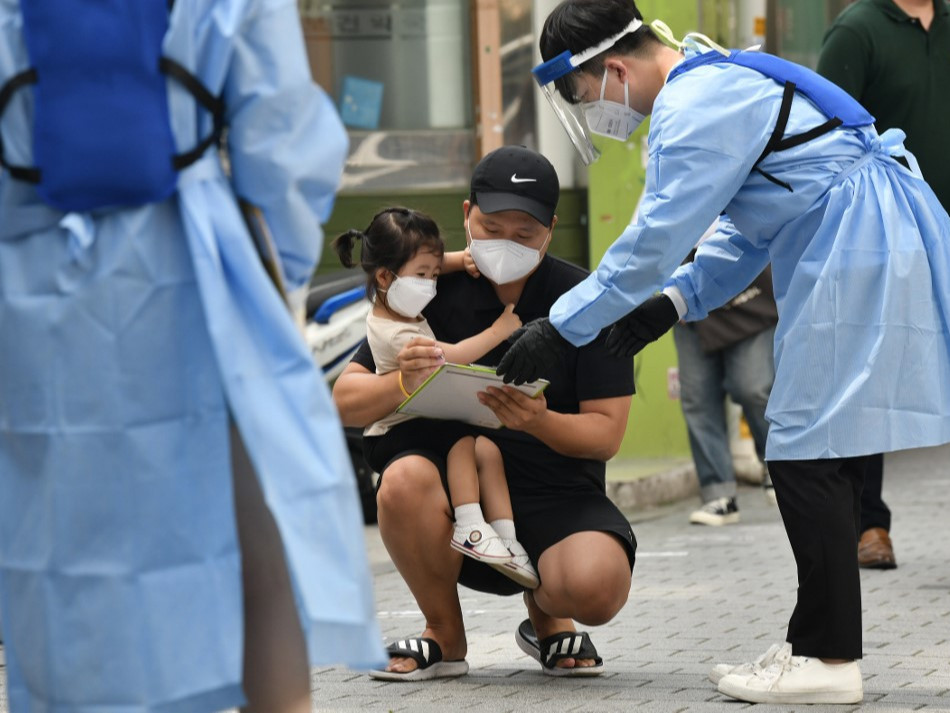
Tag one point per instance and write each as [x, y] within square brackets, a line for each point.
[610, 119]
[503, 261]
[408, 296]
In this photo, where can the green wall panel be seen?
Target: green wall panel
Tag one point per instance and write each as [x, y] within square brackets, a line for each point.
[570, 235]
[656, 427]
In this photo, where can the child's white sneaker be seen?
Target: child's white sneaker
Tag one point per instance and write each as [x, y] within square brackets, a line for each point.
[519, 568]
[481, 542]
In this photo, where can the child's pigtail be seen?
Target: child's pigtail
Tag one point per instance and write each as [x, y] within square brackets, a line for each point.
[344, 245]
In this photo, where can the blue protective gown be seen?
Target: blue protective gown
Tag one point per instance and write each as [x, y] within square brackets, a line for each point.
[128, 340]
[860, 254]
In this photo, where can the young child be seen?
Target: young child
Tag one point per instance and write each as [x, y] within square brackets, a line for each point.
[403, 254]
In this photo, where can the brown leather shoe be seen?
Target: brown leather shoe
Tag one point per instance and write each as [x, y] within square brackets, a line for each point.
[875, 550]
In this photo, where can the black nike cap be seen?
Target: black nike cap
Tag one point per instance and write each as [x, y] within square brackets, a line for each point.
[516, 178]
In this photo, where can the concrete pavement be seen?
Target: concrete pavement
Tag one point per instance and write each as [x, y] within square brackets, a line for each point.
[699, 596]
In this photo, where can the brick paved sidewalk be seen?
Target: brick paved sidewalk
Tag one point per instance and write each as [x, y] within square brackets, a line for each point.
[700, 596]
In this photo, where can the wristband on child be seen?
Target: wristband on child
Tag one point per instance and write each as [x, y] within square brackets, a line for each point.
[402, 387]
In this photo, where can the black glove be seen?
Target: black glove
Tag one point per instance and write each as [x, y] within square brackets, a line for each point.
[536, 351]
[645, 324]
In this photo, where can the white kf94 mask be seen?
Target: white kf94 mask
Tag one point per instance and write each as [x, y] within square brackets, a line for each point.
[408, 296]
[610, 119]
[503, 261]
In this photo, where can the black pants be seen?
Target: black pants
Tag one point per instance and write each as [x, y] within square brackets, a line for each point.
[874, 511]
[820, 502]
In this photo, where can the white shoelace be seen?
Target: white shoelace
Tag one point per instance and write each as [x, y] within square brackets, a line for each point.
[772, 673]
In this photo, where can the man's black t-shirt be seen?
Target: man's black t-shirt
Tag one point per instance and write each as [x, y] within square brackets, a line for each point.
[465, 306]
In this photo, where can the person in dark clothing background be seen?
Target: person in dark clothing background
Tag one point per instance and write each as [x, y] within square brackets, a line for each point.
[893, 56]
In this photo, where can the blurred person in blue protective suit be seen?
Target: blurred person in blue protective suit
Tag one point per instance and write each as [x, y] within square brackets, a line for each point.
[892, 55]
[860, 253]
[179, 525]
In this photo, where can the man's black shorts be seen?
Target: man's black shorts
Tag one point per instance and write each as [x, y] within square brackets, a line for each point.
[427, 434]
[542, 518]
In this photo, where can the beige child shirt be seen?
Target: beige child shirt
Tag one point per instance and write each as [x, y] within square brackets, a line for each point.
[386, 339]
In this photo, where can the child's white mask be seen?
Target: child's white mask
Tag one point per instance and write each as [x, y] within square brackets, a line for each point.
[408, 296]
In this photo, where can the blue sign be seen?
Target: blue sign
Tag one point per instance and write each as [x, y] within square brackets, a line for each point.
[361, 103]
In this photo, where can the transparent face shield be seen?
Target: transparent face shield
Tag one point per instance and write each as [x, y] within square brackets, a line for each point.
[571, 115]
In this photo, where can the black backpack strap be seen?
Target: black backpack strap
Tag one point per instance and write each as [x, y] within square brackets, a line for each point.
[804, 137]
[15, 83]
[213, 104]
[778, 142]
[781, 123]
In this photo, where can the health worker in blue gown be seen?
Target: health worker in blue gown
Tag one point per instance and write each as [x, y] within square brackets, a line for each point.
[860, 254]
[179, 523]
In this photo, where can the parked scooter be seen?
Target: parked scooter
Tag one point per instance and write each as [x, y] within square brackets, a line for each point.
[335, 329]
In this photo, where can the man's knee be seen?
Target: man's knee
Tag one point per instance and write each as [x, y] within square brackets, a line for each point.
[407, 483]
[754, 395]
[593, 590]
[750, 388]
[599, 600]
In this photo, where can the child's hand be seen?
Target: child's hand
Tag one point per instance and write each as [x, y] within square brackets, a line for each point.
[508, 322]
[469, 264]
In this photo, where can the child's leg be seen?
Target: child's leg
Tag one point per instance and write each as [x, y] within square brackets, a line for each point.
[472, 535]
[462, 476]
[496, 503]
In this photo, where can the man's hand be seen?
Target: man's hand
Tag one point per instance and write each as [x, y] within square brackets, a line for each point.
[536, 351]
[645, 324]
[417, 360]
[514, 409]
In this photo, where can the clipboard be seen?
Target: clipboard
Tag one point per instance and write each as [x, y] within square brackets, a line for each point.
[450, 393]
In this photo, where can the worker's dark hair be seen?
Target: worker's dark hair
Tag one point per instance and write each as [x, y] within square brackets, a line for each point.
[392, 239]
[576, 25]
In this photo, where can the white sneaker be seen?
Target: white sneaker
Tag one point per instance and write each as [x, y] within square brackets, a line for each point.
[775, 653]
[721, 511]
[482, 543]
[800, 679]
[520, 568]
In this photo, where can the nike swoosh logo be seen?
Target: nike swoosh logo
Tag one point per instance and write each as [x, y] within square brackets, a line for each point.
[515, 179]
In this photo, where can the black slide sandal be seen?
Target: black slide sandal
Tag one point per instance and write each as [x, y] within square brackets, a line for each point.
[428, 654]
[566, 645]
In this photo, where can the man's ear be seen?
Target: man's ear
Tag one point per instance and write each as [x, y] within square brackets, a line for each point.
[466, 210]
[616, 66]
[547, 243]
